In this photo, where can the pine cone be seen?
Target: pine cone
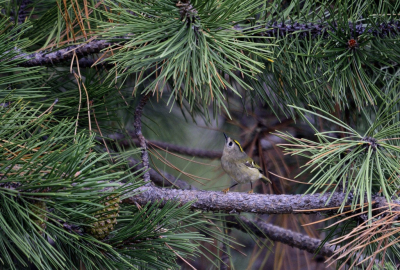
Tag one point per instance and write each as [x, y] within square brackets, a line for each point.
[106, 218]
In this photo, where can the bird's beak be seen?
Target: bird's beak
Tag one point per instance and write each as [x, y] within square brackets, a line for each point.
[226, 137]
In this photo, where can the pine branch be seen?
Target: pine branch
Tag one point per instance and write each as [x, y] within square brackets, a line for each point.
[21, 13]
[142, 140]
[158, 177]
[285, 236]
[201, 153]
[237, 202]
[273, 29]
[165, 180]
[234, 202]
[63, 55]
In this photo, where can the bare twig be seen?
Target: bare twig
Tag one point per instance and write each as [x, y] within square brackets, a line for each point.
[161, 178]
[142, 140]
[225, 262]
[201, 153]
[121, 139]
[291, 238]
[187, 151]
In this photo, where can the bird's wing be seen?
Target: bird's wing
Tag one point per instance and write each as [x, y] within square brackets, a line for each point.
[252, 164]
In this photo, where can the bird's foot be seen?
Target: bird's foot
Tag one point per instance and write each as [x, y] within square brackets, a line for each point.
[250, 192]
[225, 190]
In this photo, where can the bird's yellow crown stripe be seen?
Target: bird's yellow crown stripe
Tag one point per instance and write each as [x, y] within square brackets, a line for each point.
[238, 144]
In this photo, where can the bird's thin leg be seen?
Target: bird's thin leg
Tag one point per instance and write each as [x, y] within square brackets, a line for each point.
[251, 185]
[234, 185]
[227, 189]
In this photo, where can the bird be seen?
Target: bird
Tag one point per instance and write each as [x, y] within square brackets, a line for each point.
[239, 166]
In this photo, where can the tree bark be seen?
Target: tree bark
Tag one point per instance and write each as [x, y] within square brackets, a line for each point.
[235, 202]
[288, 237]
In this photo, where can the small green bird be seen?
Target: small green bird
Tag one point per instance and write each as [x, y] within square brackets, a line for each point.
[239, 166]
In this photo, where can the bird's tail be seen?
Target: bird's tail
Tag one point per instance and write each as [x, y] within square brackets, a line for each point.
[265, 179]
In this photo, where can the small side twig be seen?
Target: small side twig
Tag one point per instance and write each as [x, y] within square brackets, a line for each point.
[161, 178]
[225, 262]
[201, 153]
[142, 140]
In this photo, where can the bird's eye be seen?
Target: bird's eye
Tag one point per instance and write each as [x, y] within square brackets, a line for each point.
[230, 143]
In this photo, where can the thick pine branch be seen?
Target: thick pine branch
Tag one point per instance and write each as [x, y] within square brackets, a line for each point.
[234, 202]
[237, 202]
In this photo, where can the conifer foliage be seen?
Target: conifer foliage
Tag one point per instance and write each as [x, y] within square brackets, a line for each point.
[85, 84]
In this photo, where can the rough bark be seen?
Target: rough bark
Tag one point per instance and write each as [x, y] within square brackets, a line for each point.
[288, 237]
[63, 55]
[142, 140]
[234, 202]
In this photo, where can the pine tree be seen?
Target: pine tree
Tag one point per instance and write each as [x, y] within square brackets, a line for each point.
[103, 108]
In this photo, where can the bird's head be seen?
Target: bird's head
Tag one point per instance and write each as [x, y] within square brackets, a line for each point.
[232, 147]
